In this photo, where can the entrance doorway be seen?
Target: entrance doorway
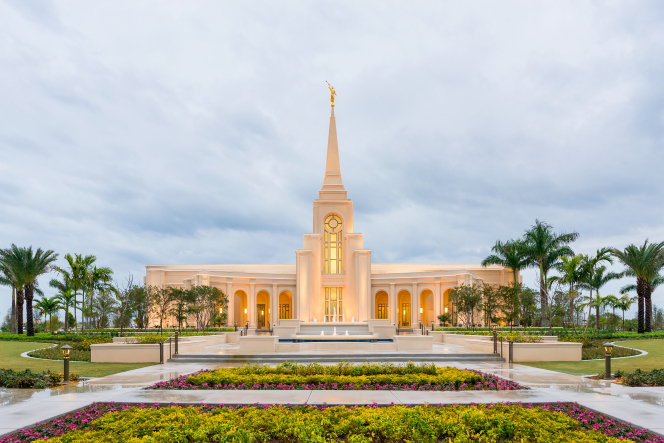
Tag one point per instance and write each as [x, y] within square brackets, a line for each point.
[261, 316]
[405, 314]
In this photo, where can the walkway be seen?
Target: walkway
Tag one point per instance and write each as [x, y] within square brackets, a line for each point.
[642, 406]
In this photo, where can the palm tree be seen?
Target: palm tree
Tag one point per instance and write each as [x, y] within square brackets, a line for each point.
[7, 278]
[591, 264]
[75, 276]
[573, 272]
[596, 282]
[624, 303]
[12, 260]
[49, 306]
[66, 298]
[644, 263]
[508, 255]
[34, 264]
[544, 248]
[99, 280]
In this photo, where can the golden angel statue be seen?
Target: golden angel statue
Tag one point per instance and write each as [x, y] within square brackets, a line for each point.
[332, 92]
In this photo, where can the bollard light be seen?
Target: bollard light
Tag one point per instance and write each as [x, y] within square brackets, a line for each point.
[495, 338]
[494, 327]
[608, 347]
[66, 351]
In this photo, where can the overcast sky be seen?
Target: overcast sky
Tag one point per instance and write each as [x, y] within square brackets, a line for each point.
[165, 132]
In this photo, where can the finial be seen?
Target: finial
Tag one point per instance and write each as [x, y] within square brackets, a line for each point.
[332, 92]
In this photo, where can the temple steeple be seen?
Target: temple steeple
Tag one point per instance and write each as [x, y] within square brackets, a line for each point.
[333, 187]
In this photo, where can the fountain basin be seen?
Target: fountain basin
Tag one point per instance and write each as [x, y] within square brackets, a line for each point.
[298, 338]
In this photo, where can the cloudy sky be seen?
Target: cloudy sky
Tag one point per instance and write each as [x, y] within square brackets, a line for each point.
[195, 132]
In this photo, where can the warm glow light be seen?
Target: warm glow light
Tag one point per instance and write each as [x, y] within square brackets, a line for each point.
[262, 312]
[245, 310]
[221, 310]
[404, 312]
[445, 310]
[421, 310]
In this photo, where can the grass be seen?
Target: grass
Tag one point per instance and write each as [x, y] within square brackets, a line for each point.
[654, 360]
[10, 358]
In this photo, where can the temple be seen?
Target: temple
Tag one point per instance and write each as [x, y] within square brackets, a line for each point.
[333, 278]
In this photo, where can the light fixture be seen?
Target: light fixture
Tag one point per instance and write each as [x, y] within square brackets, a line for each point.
[608, 347]
[445, 310]
[404, 312]
[66, 350]
[421, 310]
[221, 310]
[494, 327]
[245, 310]
[262, 312]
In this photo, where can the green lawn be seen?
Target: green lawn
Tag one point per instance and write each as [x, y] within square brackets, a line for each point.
[10, 358]
[654, 360]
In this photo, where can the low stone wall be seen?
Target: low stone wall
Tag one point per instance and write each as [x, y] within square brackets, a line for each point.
[531, 352]
[257, 344]
[133, 352]
[413, 342]
[284, 332]
[384, 332]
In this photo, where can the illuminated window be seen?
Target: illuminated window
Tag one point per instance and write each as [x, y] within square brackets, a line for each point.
[333, 304]
[333, 233]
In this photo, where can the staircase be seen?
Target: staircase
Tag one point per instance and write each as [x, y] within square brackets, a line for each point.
[335, 358]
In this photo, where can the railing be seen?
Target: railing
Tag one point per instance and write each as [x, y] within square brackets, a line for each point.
[170, 347]
[510, 346]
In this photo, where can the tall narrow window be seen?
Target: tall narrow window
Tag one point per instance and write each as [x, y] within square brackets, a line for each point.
[332, 238]
[333, 304]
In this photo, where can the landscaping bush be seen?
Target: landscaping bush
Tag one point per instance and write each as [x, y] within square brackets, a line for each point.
[516, 337]
[28, 379]
[278, 423]
[55, 352]
[642, 378]
[343, 376]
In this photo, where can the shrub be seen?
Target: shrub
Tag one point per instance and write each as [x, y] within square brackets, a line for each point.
[343, 376]
[278, 423]
[84, 345]
[28, 379]
[642, 378]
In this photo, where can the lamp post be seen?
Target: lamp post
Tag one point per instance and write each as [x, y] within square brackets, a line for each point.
[608, 347]
[66, 350]
[494, 328]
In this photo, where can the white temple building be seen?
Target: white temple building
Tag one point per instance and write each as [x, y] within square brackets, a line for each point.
[333, 274]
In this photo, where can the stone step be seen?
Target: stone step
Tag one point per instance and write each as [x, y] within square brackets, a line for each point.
[333, 358]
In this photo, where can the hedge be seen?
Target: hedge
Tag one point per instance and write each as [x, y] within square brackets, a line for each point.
[343, 376]
[28, 379]
[116, 423]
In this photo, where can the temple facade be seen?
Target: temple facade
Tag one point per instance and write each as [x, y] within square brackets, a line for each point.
[333, 278]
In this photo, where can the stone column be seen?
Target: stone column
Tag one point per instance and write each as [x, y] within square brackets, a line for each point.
[274, 306]
[415, 308]
[230, 319]
[251, 306]
[392, 303]
[437, 302]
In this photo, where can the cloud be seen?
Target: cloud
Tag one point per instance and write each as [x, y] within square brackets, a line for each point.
[170, 132]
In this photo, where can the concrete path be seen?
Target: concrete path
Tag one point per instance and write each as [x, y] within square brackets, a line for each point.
[642, 406]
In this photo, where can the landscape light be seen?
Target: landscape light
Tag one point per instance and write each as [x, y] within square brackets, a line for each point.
[494, 326]
[66, 350]
[608, 347]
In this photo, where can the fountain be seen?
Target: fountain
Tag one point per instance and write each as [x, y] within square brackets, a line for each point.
[335, 331]
[353, 320]
[343, 318]
[347, 332]
[322, 332]
[334, 314]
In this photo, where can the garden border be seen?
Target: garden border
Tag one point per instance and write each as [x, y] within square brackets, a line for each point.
[25, 354]
[332, 405]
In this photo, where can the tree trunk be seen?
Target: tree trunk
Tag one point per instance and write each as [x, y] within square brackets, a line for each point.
[648, 315]
[544, 322]
[12, 326]
[19, 311]
[623, 320]
[640, 292]
[29, 296]
[597, 310]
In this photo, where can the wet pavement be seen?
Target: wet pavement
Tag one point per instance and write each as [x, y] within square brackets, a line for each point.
[642, 406]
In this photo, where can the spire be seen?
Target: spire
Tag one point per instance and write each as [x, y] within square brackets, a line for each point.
[333, 187]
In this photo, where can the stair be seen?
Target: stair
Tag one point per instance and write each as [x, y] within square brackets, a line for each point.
[334, 358]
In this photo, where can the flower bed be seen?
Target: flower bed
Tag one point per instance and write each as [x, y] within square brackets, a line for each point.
[289, 376]
[516, 337]
[32, 380]
[278, 423]
[641, 378]
[593, 348]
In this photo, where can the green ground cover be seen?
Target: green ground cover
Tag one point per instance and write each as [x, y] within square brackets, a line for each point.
[495, 423]
[653, 360]
[342, 376]
[10, 358]
[55, 353]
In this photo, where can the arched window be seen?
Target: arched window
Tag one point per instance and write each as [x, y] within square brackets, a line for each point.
[333, 234]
